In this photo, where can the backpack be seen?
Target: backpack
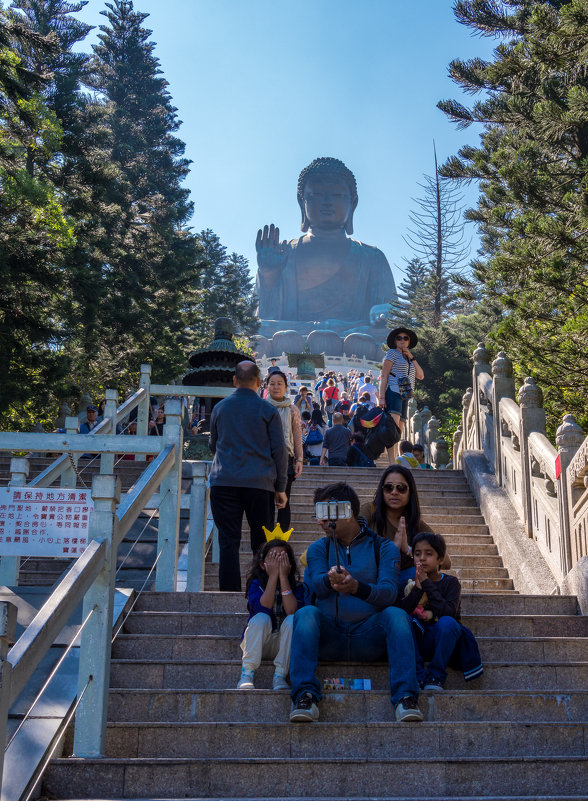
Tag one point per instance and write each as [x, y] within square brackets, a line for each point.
[343, 406]
[381, 431]
[314, 437]
[363, 459]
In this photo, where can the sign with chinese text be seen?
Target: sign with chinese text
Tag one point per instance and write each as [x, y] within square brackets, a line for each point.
[44, 522]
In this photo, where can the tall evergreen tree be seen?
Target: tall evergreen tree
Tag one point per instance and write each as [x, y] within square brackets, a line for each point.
[151, 259]
[532, 164]
[226, 290]
[437, 238]
[34, 232]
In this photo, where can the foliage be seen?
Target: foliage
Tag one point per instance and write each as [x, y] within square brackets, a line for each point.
[532, 165]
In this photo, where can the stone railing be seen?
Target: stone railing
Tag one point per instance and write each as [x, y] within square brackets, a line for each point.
[91, 578]
[547, 485]
[423, 429]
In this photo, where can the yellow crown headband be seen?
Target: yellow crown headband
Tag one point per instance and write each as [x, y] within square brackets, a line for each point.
[277, 533]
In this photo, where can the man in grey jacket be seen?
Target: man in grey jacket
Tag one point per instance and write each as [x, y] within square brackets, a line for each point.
[249, 470]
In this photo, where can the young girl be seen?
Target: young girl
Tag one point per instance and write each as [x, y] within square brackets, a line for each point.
[273, 594]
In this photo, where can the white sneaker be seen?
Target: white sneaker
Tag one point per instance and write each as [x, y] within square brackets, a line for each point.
[246, 680]
[280, 682]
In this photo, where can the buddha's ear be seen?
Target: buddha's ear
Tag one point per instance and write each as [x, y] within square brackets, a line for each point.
[305, 224]
[349, 221]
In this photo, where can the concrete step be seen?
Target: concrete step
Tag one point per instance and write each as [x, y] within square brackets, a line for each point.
[233, 624]
[471, 604]
[214, 646]
[209, 674]
[284, 778]
[332, 740]
[264, 704]
[494, 585]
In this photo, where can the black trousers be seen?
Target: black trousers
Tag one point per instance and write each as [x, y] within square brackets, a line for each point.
[284, 515]
[228, 505]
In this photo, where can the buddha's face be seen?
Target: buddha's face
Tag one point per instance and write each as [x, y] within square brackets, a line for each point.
[327, 203]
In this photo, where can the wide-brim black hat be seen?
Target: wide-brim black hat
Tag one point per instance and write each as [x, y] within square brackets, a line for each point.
[391, 340]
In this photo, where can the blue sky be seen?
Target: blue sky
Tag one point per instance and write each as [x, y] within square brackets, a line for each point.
[265, 86]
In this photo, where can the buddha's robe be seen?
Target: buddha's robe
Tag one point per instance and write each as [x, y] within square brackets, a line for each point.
[363, 280]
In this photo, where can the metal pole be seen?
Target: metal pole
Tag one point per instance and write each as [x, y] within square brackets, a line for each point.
[10, 565]
[197, 534]
[169, 507]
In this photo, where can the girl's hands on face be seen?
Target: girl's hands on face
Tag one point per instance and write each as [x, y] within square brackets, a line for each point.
[272, 564]
[284, 563]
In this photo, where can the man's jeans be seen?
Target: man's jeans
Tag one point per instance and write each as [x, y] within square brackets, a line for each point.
[384, 634]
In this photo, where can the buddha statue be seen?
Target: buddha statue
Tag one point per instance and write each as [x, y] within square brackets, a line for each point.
[324, 274]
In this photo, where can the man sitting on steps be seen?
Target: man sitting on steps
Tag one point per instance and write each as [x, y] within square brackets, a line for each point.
[350, 617]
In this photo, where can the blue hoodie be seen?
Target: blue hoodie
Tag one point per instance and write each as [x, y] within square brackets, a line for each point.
[377, 576]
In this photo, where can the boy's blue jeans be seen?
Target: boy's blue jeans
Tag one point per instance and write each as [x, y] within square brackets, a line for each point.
[435, 645]
[384, 634]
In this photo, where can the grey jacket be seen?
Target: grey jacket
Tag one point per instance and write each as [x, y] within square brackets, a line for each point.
[247, 440]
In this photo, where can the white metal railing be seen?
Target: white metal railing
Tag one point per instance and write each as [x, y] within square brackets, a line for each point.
[92, 576]
[547, 484]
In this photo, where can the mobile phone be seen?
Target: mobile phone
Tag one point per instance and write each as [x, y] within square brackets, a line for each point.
[333, 510]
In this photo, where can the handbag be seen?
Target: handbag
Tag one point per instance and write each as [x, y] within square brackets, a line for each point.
[404, 387]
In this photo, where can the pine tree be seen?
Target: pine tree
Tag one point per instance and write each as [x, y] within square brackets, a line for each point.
[150, 258]
[34, 233]
[438, 239]
[226, 290]
[532, 164]
[413, 306]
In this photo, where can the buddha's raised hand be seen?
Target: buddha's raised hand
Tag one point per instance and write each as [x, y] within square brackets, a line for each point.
[271, 253]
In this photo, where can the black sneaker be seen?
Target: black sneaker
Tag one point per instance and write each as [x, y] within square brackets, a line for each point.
[408, 710]
[305, 710]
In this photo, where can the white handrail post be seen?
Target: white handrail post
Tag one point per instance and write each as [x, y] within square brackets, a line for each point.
[169, 507]
[107, 459]
[568, 439]
[143, 408]
[532, 419]
[68, 477]
[199, 494]
[7, 631]
[481, 358]
[503, 386]
[90, 729]
[10, 565]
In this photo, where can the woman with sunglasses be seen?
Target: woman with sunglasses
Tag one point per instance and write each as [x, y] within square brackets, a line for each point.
[398, 363]
[395, 513]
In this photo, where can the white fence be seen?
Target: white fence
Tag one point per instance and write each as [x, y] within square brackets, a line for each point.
[92, 576]
[547, 485]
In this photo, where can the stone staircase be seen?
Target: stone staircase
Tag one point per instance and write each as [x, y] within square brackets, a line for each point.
[179, 729]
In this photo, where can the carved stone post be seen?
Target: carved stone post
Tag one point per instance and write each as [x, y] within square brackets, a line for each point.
[431, 437]
[503, 386]
[457, 437]
[90, 729]
[481, 365]
[68, 477]
[441, 454]
[465, 405]
[568, 439]
[412, 410]
[107, 459]
[532, 419]
[143, 408]
[420, 434]
[85, 401]
[10, 565]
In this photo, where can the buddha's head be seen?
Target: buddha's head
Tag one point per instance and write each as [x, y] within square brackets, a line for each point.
[327, 195]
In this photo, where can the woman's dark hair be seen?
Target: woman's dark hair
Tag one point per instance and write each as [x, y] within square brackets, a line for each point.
[280, 374]
[256, 571]
[305, 415]
[436, 541]
[358, 438]
[412, 515]
[316, 418]
[338, 492]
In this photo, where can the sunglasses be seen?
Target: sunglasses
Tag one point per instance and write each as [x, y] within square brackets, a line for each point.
[398, 487]
[402, 337]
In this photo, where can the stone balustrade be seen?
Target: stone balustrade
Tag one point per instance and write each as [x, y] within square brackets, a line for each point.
[547, 484]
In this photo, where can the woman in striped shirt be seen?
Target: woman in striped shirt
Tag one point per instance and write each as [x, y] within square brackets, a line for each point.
[398, 362]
